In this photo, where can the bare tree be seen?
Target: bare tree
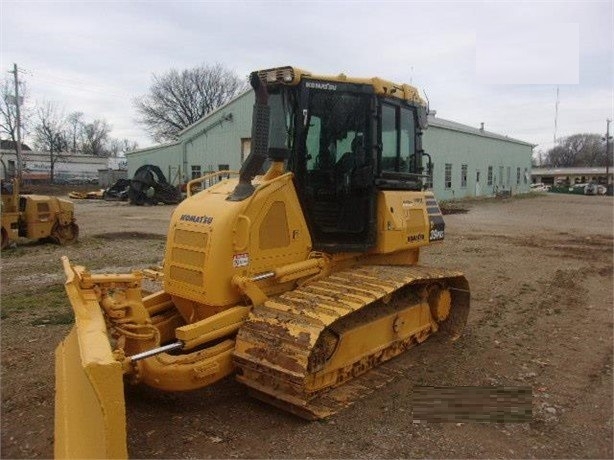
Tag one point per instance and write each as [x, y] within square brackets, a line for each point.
[559, 156]
[96, 137]
[115, 147]
[129, 146]
[178, 99]
[8, 120]
[120, 146]
[584, 149]
[8, 113]
[50, 134]
[75, 125]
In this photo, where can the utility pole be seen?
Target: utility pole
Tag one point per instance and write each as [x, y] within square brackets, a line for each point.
[607, 151]
[556, 113]
[18, 121]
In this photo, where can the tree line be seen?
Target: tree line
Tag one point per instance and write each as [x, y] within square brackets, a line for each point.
[577, 150]
[50, 129]
[53, 131]
[179, 98]
[176, 100]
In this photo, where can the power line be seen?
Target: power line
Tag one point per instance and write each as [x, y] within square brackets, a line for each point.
[72, 83]
[556, 113]
[89, 89]
[26, 71]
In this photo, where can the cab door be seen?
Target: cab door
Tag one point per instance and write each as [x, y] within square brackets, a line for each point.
[336, 182]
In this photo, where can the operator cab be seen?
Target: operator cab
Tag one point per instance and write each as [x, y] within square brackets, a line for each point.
[346, 143]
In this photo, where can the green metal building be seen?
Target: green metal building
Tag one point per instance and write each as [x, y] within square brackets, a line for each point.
[467, 161]
[473, 162]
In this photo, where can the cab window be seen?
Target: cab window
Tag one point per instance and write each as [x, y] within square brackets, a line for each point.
[398, 128]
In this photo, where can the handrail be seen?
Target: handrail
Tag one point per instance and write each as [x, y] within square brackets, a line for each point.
[207, 176]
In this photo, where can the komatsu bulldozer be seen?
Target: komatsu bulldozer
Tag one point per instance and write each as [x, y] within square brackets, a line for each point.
[299, 273]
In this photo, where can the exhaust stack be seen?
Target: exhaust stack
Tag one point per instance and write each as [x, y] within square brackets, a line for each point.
[260, 141]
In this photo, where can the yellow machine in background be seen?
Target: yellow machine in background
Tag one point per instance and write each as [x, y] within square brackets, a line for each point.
[300, 276]
[36, 217]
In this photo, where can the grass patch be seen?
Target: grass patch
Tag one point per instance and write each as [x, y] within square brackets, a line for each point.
[453, 207]
[131, 236]
[13, 252]
[462, 205]
[113, 251]
[525, 288]
[528, 195]
[33, 301]
[55, 319]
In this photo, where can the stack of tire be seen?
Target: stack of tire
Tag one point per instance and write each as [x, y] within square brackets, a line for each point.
[118, 191]
[150, 187]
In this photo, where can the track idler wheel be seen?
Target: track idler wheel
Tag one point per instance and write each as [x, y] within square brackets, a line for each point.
[323, 350]
[440, 303]
[450, 306]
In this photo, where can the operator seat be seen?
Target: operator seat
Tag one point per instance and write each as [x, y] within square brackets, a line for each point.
[350, 201]
[350, 161]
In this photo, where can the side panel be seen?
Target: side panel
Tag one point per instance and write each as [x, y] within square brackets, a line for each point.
[211, 240]
[405, 220]
[40, 214]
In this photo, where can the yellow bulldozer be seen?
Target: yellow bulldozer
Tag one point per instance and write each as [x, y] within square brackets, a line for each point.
[36, 217]
[299, 274]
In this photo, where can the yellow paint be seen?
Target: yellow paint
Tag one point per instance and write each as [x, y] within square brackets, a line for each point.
[402, 221]
[243, 286]
[268, 230]
[90, 412]
[39, 217]
[380, 86]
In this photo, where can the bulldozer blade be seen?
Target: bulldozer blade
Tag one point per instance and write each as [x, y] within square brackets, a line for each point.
[90, 415]
[90, 418]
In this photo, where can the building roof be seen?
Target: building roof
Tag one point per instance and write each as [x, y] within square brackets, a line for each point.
[153, 147]
[187, 129]
[34, 155]
[10, 145]
[214, 111]
[455, 126]
[572, 170]
[432, 119]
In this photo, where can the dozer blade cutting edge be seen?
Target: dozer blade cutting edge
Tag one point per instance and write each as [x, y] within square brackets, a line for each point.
[90, 419]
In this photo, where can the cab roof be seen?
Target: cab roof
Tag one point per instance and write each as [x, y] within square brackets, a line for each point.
[292, 76]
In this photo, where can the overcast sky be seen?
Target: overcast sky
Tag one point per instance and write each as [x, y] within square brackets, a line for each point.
[490, 61]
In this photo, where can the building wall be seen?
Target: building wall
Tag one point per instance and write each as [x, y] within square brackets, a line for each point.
[36, 165]
[108, 177]
[478, 153]
[214, 141]
[217, 140]
[167, 157]
[573, 175]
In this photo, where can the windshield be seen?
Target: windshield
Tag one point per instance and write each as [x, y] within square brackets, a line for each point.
[335, 127]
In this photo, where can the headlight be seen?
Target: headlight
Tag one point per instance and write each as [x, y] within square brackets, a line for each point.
[287, 74]
[271, 76]
[278, 75]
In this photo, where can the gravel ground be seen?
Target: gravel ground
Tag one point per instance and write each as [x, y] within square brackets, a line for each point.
[540, 271]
